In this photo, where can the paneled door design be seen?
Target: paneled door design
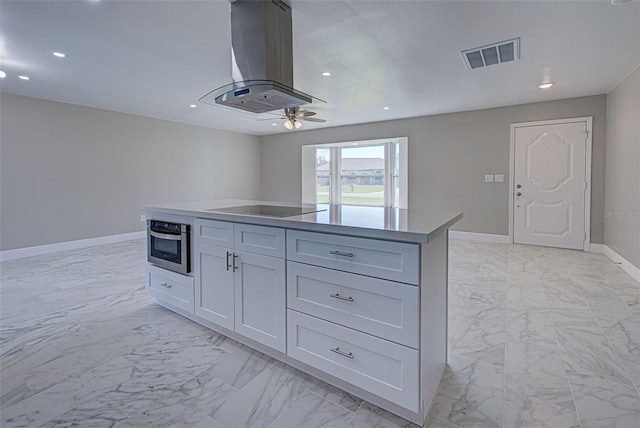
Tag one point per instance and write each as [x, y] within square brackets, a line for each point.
[550, 184]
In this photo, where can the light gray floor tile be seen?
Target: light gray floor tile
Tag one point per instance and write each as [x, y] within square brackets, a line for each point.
[471, 393]
[371, 416]
[262, 400]
[335, 395]
[526, 324]
[312, 411]
[587, 352]
[603, 404]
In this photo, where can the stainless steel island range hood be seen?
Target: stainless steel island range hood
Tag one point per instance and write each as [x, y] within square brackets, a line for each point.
[262, 59]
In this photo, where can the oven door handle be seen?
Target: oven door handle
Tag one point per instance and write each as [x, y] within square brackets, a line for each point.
[165, 236]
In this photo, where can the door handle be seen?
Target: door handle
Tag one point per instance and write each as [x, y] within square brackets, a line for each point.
[165, 236]
[235, 256]
[228, 264]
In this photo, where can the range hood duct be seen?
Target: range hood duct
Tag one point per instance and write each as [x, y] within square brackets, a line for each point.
[262, 59]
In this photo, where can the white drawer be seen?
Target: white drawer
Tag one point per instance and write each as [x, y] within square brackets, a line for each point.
[376, 365]
[379, 307]
[213, 232]
[260, 239]
[171, 287]
[381, 259]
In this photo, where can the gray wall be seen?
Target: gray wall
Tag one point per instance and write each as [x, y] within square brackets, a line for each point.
[70, 172]
[448, 157]
[622, 203]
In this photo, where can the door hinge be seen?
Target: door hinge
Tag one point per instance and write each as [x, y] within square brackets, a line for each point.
[585, 186]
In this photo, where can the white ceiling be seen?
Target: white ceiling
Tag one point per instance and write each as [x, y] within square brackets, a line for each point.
[154, 58]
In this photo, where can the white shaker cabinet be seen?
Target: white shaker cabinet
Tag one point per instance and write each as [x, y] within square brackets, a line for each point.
[362, 308]
[214, 284]
[243, 291]
[260, 302]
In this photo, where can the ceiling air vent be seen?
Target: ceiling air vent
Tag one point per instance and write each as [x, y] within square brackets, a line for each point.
[496, 53]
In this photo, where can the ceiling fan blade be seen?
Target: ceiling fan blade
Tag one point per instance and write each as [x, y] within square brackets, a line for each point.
[313, 119]
[305, 113]
[272, 119]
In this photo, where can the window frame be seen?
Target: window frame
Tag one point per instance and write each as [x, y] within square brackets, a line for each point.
[391, 195]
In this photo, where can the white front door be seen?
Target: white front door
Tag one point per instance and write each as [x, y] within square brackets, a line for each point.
[550, 184]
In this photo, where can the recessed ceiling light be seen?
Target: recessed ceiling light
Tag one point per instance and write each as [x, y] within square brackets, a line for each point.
[385, 108]
[193, 105]
[2, 74]
[326, 73]
[59, 54]
[546, 85]
[23, 77]
[274, 124]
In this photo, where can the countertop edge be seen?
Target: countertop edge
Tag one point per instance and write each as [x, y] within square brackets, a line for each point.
[298, 223]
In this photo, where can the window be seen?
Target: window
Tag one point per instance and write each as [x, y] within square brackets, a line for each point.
[368, 173]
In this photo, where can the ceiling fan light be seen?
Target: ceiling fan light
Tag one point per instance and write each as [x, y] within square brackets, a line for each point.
[288, 124]
[297, 124]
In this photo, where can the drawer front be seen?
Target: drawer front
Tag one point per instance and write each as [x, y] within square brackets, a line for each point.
[379, 307]
[213, 232]
[268, 241]
[171, 287]
[383, 368]
[381, 259]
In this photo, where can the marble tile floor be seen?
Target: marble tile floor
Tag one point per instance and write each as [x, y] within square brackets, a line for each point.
[538, 337]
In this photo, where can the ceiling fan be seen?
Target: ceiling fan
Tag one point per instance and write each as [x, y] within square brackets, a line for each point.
[293, 117]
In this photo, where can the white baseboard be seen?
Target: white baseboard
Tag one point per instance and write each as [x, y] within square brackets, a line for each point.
[625, 264]
[69, 245]
[473, 236]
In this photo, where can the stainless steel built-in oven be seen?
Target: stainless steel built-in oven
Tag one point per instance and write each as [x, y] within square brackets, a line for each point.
[168, 245]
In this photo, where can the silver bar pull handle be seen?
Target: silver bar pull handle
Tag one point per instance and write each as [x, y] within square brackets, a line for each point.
[340, 253]
[340, 352]
[165, 285]
[337, 296]
[165, 236]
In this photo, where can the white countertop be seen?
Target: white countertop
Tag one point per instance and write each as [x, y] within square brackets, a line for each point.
[391, 224]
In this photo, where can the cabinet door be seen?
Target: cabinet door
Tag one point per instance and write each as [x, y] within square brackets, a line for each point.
[260, 299]
[214, 284]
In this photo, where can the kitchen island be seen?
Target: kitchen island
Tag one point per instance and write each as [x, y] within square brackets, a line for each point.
[356, 296]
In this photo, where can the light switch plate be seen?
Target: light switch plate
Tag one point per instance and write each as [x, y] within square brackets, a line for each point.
[499, 178]
[488, 178]
[143, 218]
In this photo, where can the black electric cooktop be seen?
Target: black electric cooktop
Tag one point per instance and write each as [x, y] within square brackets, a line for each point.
[267, 210]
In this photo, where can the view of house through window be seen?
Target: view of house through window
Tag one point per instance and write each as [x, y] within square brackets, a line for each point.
[357, 173]
[362, 175]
